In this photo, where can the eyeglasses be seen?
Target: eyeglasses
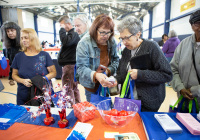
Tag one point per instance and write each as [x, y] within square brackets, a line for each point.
[125, 38]
[197, 24]
[105, 33]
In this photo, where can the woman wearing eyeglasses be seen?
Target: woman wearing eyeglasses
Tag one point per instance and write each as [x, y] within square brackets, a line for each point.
[151, 70]
[96, 52]
[185, 63]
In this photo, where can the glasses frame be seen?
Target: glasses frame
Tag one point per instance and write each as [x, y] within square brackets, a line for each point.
[105, 33]
[125, 38]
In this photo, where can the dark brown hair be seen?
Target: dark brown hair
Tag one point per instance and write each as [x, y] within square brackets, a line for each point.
[10, 43]
[101, 20]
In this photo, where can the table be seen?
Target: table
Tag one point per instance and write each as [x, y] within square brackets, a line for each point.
[5, 73]
[156, 132]
[20, 131]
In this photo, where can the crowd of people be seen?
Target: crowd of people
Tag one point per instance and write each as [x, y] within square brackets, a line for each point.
[92, 52]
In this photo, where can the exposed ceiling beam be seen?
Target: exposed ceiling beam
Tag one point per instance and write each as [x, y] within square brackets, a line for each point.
[116, 9]
[42, 10]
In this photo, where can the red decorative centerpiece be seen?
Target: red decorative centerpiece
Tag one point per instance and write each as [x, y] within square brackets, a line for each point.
[46, 105]
[64, 101]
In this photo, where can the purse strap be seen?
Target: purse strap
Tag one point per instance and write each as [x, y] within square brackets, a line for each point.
[193, 57]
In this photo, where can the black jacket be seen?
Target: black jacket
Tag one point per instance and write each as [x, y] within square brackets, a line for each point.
[67, 54]
[150, 84]
[37, 89]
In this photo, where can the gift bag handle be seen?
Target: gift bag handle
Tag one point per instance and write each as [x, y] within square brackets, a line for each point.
[128, 82]
[103, 89]
[193, 106]
[52, 91]
[178, 101]
[132, 83]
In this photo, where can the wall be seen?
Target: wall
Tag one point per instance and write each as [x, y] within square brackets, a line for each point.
[9, 14]
[176, 5]
[159, 14]
[158, 18]
[146, 22]
[181, 26]
[45, 29]
[28, 20]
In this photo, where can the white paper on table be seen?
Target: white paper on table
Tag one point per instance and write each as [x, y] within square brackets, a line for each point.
[168, 124]
[110, 134]
[83, 128]
[4, 120]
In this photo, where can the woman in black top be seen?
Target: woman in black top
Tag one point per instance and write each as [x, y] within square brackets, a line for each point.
[11, 38]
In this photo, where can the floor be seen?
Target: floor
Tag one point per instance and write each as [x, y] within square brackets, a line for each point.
[8, 95]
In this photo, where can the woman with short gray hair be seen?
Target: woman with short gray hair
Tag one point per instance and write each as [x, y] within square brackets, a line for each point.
[81, 23]
[151, 74]
[170, 45]
[172, 33]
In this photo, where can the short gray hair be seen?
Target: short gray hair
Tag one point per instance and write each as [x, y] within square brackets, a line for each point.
[65, 18]
[172, 33]
[131, 23]
[84, 19]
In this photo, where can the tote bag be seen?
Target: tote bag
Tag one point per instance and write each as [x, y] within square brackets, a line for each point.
[192, 107]
[119, 101]
[96, 98]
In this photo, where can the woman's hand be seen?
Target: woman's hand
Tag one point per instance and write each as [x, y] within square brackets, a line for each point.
[27, 82]
[102, 80]
[186, 94]
[133, 73]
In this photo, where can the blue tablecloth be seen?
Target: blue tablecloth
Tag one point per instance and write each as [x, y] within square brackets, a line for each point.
[156, 132]
[12, 112]
[26, 118]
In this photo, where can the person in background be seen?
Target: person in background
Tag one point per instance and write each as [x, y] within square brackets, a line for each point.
[185, 63]
[58, 44]
[96, 48]
[31, 61]
[11, 38]
[67, 56]
[81, 23]
[43, 43]
[149, 82]
[170, 45]
[164, 39]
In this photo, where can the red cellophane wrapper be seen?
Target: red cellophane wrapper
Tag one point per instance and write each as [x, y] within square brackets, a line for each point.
[84, 111]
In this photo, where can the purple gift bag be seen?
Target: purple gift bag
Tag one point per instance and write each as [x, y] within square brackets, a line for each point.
[121, 102]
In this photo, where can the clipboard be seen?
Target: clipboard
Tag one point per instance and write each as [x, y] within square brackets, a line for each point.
[141, 62]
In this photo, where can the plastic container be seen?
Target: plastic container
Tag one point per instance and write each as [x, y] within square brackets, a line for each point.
[118, 118]
[84, 111]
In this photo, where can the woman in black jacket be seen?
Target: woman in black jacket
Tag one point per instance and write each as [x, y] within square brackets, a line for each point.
[152, 71]
[11, 37]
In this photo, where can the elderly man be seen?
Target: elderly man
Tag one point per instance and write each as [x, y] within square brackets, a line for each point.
[67, 56]
[81, 23]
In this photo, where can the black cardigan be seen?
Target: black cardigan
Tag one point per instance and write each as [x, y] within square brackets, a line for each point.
[150, 84]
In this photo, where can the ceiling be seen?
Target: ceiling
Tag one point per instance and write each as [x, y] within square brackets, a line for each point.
[53, 9]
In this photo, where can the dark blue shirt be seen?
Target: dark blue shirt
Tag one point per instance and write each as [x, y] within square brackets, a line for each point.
[28, 67]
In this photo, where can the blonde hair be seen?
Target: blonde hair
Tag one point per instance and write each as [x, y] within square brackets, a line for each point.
[33, 38]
